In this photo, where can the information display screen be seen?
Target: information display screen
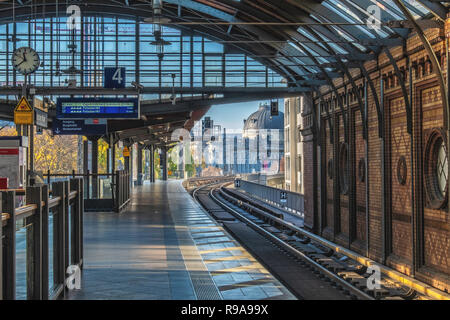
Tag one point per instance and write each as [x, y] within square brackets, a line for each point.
[97, 108]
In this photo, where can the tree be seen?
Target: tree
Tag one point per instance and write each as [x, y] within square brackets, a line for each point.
[102, 156]
[157, 165]
[57, 154]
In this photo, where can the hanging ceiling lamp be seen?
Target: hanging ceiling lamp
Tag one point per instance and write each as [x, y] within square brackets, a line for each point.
[157, 19]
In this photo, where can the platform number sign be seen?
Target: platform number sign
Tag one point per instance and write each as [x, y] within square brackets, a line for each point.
[283, 197]
[237, 183]
[274, 109]
[114, 77]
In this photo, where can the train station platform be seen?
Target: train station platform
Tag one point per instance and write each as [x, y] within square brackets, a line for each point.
[166, 247]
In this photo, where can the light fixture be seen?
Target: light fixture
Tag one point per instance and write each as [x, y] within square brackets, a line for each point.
[157, 19]
[137, 86]
[173, 97]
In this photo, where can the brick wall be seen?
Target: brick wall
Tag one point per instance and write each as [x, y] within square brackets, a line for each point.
[308, 151]
[359, 159]
[405, 216]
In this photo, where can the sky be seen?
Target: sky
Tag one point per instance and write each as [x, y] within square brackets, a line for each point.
[231, 116]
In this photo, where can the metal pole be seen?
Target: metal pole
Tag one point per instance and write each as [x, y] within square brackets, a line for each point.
[31, 179]
[86, 165]
[447, 47]
[95, 168]
[413, 218]
[383, 182]
[366, 173]
[139, 165]
[152, 164]
[164, 163]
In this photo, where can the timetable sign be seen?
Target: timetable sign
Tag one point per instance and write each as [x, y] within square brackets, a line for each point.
[97, 108]
[114, 77]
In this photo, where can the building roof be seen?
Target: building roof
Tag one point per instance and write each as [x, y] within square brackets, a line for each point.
[262, 119]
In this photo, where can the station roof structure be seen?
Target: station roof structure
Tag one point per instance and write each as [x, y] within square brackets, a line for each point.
[295, 46]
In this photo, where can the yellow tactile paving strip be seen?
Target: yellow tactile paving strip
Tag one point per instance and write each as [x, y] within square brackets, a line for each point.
[236, 273]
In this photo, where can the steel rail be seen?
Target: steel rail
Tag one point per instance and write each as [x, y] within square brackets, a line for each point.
[360, 294]
[419, 286]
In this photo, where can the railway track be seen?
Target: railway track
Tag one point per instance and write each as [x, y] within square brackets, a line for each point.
[328, 266]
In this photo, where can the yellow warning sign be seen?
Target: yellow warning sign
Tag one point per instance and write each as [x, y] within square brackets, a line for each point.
[126, 152]
[23, 114]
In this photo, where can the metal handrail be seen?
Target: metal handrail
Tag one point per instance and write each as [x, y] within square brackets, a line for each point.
[67, 206]
[25, 210]
[53, 202]
[72, 195]
[78, 174]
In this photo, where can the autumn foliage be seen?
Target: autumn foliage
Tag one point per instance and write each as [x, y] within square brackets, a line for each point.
[55, 153]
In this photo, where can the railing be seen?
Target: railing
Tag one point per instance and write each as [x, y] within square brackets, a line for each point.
[112, 198]
[290, 200]
[122, 190]
[64, 209]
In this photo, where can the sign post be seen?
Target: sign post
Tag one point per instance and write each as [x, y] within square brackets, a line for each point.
[126, 152]
[41, 118]
[283, 197]
[97, 108]
[23, 114]
[79, 127]
[274, 108]
[114, 77]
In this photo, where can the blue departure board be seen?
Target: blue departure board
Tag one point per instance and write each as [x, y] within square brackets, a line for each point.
[97, 108]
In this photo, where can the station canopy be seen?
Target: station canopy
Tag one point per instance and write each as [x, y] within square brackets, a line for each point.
[202, 52]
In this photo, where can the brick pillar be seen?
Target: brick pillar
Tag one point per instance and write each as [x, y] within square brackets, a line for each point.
[309, 164]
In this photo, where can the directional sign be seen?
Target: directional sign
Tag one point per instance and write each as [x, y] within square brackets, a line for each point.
[23, 114]
[126, 152]
[77, 127]
[283, 196]
[41, 118]
[274, 108]
[114, 77]
[97, 108]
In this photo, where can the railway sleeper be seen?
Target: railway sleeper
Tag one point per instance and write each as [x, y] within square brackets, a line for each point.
[331, 265]
[377, 293]
[309, 250]
[349, 275]
[273, 230]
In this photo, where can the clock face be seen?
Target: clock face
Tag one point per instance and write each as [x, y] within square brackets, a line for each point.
[25, 60]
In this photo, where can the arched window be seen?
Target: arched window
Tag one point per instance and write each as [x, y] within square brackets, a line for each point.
[343, 168]
[436, 169]
[442, 168]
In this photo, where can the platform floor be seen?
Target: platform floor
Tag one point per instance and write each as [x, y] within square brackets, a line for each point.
[165, 247]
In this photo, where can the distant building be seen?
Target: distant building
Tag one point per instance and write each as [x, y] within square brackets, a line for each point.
[294, 142]
[263, 143]
[257, 148]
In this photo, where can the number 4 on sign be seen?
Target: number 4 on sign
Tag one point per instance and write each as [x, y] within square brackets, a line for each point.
[115, 77]
[118, 76]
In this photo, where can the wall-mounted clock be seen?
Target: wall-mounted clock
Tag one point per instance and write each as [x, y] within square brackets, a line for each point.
[25, 60]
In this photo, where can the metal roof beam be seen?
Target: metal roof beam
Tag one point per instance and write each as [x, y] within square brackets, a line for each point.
[436, 8]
